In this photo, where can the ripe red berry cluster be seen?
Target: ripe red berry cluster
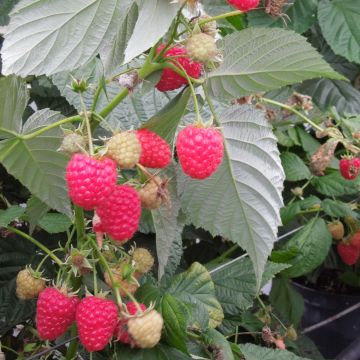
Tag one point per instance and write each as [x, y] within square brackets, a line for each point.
[350, 167]
[349, 251]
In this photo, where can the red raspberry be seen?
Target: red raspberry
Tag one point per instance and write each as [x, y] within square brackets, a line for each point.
[244, 5]
[355, 239]
[155, 151]
[96, 321]
[121, 329]
[350, 168]
[120, 213]
[170, 80]
[55, 312]
[90, 180]
[200, 151]
[349, 253]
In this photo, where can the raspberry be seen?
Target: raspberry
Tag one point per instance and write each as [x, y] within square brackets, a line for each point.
[200, 151]
[90, 180]
[291, 333]
[120, 213]
[55, 312]
[28, 286]
[145, 329]
[96, 320]
[336, 229]
[125, 149]
[125, 285]
[280, 344]
[355, 239]
[170, 80]
[143, 260]
[350, 168]
[72, 144]
[155, 151]
[153, 193]
[349, 253]
[202, 47]
[121, 333]
[244, 5]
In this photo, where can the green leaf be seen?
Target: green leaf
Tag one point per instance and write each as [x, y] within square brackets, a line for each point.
[261, 59]
[13, 100]
[350, 125]
[335, 185]
[41, 29]
[327, 93]
[337, 208]
[175, 316]
[295, 169]
[5, 8]
[286, 300]
[289, 212]
[302, 14]
[36, 163]
[283, 256]
[54, 223]
[339, 22]
[255, 352]
[148, 293]
[241, 201]
[216, 339]
[35, 210]
[195, 287]
[155, 18]
[10, 214]
[166, 121]
[235, 284]
[313, 242]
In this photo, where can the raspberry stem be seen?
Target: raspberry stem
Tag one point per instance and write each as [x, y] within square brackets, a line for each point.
[87, 123]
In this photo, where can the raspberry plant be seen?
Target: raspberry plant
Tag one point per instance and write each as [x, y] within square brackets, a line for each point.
[159, 123]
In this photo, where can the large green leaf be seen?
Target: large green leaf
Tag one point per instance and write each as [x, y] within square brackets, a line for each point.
[36, 163]
[43, 38]
[13, 100]
[217, 340]
[195, 287]
[339, 22]
[155, 18]
[302, 14]
[286, 300]
[235, 284]
[10, 214]
[35, 210]
[337, 208]
[313, 243]
[242, 200]
[261, 59]
[335, 185]
[54, 223]
[255, 352]
[294, 167]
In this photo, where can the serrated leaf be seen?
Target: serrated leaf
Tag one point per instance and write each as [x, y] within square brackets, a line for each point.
[295, 169]
[314, 242]
[337, 208]
[148, 293]
[235, 284]
[37, 40]
[5, 8]
[35, 210]
[286, 300]
[195, 287]
[335, 185]
[255, 352]
[13, 100]
[54, 223]
[241, 201]
[175, 314]
[339, 22]
[155, 18]
[10, 214]
[261, 59]
[290, 211]
[216, 339]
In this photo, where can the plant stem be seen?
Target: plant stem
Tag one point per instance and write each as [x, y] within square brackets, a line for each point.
[94, 275]
[87, 123]
[71, 351]
[37, 243]
[96, 96]
[8, 349]
[298, 113]
[211, 105]
[219, 17]
[79, 224]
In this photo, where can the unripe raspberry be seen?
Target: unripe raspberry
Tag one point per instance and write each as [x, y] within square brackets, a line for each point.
[145, 330]
[200, 151]
[170, 80]
[72, 143]
[28, 286]
[120, 213]
[155, 151]
[153, 193]
[244, 5]
[209, 28]
[336, 229]
[89, 180]
[143, 260]
[202, 47]
[291, 334]
[125, 149]
[125, 285]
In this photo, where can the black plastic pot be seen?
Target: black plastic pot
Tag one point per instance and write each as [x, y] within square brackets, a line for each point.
[334, 337]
